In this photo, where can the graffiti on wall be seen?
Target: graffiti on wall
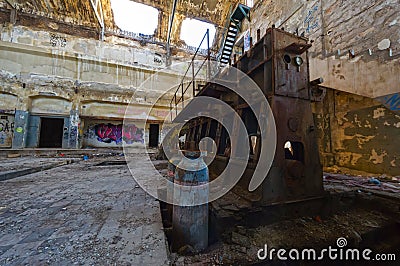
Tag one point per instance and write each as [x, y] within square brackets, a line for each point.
[109, 133]
[392, 101]
[74, 124]
[57, 40]
[6, 130]
[311, 21]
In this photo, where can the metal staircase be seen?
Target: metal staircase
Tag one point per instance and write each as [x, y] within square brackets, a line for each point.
[235, 23]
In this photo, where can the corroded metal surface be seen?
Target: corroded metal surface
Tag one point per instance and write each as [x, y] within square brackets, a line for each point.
[282, 73]
[190, 223]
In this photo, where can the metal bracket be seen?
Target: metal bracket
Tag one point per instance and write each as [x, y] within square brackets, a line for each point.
[246, 14]
[297, 48]
[98, 10]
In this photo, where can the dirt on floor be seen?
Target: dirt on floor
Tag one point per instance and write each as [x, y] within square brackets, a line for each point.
[362, 217]
[79, 214]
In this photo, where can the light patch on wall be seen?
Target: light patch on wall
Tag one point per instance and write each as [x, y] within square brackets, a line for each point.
[367, 124]
[347, 158]
[135, 17]
[250, 3]
[355, 158]
[394, 22]
[361, 140]
[384, 44]
[380, 112]
[375, 158]
[193, 30]
[357, 121]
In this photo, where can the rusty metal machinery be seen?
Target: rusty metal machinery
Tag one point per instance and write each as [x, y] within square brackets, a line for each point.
[278, 63]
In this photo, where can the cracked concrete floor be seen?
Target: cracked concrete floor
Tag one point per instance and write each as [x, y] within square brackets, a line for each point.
[80, 214]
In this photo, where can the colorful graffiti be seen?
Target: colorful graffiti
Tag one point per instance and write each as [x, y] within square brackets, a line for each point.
[109, 133]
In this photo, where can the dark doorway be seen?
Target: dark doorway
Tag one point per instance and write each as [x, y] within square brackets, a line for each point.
[51, 132]
[153, 137]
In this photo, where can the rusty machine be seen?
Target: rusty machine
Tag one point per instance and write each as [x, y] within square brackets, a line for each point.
[278, 63]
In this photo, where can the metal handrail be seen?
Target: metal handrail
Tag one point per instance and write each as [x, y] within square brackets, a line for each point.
[176, 100]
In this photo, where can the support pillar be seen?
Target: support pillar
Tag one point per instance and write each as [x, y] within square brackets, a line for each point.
[190, 223]
[73, 131]
[20, 129]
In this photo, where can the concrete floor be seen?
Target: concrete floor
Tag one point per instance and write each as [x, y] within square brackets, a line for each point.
[78, 214]
[85, 214]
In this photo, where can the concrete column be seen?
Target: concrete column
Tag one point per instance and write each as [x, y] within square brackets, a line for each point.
[73, 131]
[65, 141]
[20, 129]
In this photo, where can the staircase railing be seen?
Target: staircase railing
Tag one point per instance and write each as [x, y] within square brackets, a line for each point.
[184, 87]
[233, 27]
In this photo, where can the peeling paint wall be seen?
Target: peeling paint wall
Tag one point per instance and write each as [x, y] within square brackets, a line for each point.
[356, 44]
[77, 79]
[356, 50]
[358, 133]
[26, 51]
[77, 17]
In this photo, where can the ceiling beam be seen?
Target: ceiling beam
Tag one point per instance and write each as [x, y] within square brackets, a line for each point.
[12, 3]
[98, 11]
[170, 24]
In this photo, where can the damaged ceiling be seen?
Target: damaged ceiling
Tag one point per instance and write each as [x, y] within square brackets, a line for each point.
[81, 15]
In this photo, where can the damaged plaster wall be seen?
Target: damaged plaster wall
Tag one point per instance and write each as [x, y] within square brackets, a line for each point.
[45, 74]
[356, 44]
[77, 17]
[39, 63]
[356, 50]
[358, 133]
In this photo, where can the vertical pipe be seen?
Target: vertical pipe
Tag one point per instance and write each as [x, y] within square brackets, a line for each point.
[266, 81]
[193, 84]
[208, 55]
[183, 100]
[170, 109]
[176, 107]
